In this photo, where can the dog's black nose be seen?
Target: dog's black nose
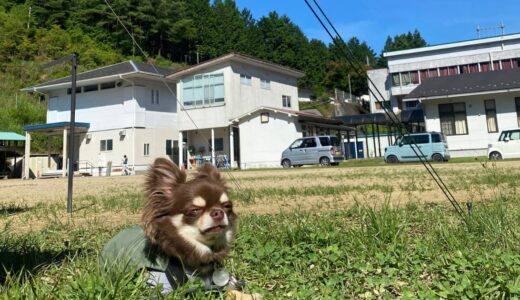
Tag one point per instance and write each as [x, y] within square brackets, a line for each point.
[217, 214]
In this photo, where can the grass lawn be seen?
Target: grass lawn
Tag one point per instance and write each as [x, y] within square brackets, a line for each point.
[310, 233]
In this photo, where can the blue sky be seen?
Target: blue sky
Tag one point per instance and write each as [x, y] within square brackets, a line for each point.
[439, 21]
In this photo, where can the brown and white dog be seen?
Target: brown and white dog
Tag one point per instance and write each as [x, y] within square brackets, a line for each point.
[191, 220]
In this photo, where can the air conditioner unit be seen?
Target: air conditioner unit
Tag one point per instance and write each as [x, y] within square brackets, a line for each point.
[122, 133]
[89, 136]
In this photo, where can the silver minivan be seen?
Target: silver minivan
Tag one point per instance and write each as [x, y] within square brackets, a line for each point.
[324, 150]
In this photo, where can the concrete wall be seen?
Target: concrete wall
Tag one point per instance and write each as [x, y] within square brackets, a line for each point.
[131, 145]
[261, 144]
[381, 82]
[475, 142]
[239, 98]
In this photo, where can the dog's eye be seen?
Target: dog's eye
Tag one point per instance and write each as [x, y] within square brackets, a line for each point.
[228, 205]
[193, 212]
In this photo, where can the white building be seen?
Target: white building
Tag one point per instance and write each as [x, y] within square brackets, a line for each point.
[471, 109]
[243, 109]
[123, 109]
[409, 68]
[457, 72]
[234, 108]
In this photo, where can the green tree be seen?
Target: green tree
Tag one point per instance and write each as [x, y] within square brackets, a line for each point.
[401, 42]
[344, 75]
[315, 58]
[284, 42]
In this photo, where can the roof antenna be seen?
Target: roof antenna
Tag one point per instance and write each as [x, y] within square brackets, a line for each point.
[501, 27]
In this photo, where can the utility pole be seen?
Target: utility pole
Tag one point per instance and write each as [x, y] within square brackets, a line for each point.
[197, 57]
[72, 129]
[72, 125]
[349, 89]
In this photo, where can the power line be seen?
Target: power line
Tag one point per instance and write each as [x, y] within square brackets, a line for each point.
[338, 40]
[134, 42]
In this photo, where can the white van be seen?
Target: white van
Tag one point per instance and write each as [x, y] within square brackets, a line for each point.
[507, 146]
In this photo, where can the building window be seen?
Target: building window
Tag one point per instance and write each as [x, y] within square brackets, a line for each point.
[286, 101]
[410, 77]
[245, 79]
[411, 104]
[496, 65]
[491, 115]
[107, 85]
[396, 80]
[384, 104]
[219, 144]
[264, 118]
[78, 90]
[453, 118]
[484, 67]
[90, 88]
[506, 64]
[473, 68]
[203, 90]
[169, 147]
[146, 150]
[405, 77]
[105, 145]
[453, 70]
[154, 95]
[517, 100]
[265, 84]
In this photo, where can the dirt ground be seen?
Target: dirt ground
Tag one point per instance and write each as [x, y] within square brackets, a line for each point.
[274, 191]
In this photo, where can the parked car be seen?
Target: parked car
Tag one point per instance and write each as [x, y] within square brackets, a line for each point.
[433, 146]
[324, 150]
[507, 146]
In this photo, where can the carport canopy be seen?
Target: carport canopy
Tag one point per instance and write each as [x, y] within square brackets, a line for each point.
[50, 129]
[363, 119]
[56, 128]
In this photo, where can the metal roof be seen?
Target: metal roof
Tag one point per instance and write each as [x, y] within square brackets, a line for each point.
[107, 71]
[242, 58]
[467, 84]
[51, 127]
[302, 116]
[375, 118]
[11, 136]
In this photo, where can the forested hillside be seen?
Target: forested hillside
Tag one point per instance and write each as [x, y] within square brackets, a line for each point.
[169, 31]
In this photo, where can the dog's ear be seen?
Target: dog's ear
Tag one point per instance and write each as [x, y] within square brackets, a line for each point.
[210, 172]
[162, 178]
